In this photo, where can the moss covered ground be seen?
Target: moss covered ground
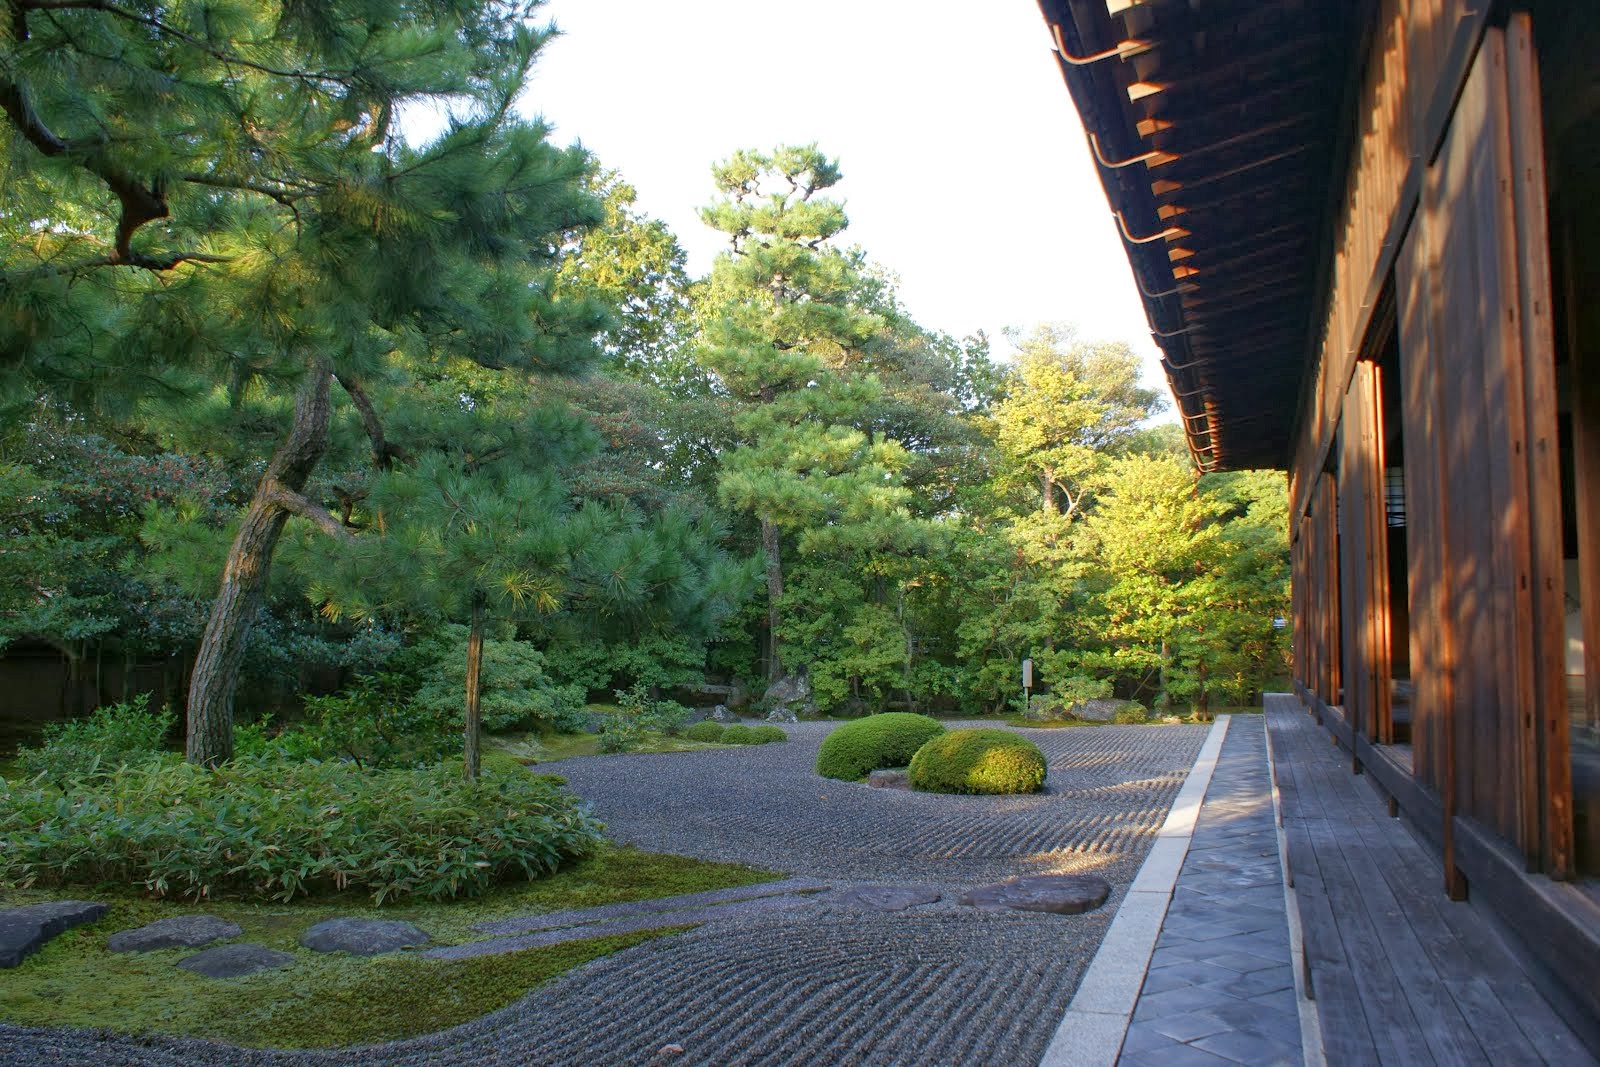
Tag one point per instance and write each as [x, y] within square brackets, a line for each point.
[334, 999]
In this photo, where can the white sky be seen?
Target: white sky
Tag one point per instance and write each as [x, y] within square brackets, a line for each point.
[966, 172]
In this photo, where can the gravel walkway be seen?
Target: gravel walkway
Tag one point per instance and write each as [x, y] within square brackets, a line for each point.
[821, 984]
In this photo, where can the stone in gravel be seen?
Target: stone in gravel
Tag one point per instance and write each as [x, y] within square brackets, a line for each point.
[180, 931]
[673, 1049]
[362, 937]
[787, 696]
[1063, 894]
[720, 713]
[1096, 710]
[25, 930]
[889, 779]
[235, 960]
[885, 897]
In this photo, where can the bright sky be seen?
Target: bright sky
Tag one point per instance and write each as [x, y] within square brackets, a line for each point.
[965, 168]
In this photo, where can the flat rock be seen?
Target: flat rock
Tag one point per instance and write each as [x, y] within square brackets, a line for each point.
[180, 931]
[235, 960]
[1063, 894]
[25, 930]
[885, 897]
[889, 779]
[363, 937]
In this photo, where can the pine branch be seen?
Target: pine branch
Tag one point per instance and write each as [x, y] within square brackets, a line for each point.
[384, 452]
[295, 504]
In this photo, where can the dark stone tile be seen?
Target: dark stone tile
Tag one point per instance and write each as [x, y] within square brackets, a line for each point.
[1251, 1050]
[1189, 1025]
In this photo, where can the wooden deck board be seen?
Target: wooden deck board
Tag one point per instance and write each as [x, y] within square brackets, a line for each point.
[1402, 975]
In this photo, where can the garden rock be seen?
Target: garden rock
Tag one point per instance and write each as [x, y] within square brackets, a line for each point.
[25, 930]
[363, 937]
[235, 960]
[787, 696]
[1063, 894]
[885, 897]
[180, 931]
[889, 779]
[1100, 710]
[720, 713]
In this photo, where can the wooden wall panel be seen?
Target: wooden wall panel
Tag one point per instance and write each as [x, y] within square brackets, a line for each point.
[1482, 477]
[1364, 558]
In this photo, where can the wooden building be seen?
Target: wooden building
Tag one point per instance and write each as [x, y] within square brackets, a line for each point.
[1366, 232]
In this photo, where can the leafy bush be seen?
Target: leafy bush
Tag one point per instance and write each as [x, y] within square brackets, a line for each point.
[1130, 714]
[766, 735]
[889, 739]
[110, 737]
[708, 730]
[1075, 689]
[978, 761]
[517, 690]
[372, 723]
[280, 829]
[619, 732]
[739, 734]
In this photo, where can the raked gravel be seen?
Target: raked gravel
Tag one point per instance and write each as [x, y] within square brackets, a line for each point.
[820, 984]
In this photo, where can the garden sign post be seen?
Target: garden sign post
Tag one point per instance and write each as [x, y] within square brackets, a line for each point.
[1027, 685]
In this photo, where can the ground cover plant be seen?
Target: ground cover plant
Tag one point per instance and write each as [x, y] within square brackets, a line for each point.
[890, 739]
[334, 999]
[978, 761]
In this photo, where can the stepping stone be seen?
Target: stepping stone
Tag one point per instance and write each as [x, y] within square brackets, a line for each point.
[180, 931]
[25, 930]
[885, 897]
[890, 779]
[363, 937]
[1063, 894]
[235, 960]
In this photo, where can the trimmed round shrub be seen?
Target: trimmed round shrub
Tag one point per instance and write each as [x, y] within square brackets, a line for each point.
[978, 761]
[766, 735]
[1131, 714]
[709, 730]
[888, 739]
[738, 734]
[281, 829]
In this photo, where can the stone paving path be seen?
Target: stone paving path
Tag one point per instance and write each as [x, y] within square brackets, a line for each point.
[1220, 989]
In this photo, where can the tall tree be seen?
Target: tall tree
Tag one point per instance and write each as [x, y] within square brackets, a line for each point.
[783, 319]
[223, 193]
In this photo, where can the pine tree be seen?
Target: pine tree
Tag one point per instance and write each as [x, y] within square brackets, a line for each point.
[784, 321]
[221, 194]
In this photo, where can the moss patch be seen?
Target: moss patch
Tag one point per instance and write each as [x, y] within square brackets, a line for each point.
[978, 761]
[323, 1000]
[888, 739]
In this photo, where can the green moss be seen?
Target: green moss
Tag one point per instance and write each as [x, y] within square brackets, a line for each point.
[978, 761]
[334, 999]
[889, 739]
[708, 731]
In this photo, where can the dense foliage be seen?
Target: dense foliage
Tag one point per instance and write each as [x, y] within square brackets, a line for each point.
[978, 761]
[279, 828]
[890, 739]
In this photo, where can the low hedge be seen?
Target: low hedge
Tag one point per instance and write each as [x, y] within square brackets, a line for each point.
[888, 739]
[766, 735]
[709, 730]
[978, 761]
[281, 829]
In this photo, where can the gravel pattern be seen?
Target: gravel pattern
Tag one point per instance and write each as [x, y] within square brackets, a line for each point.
[825, 983]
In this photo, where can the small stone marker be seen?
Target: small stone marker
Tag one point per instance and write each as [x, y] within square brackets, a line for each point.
[673, 1049]
[890, 779]
[25, 930]
[363, 937]
[885, 897]
[235, 960]
[180, 931]
[1063, 894]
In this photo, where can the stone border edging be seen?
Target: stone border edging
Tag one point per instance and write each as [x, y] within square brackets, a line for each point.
[1311, 1054]
[1092, 1030]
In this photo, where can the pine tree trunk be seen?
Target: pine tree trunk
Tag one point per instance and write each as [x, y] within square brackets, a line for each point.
[770, 546]
[474, 673]
[244, 575]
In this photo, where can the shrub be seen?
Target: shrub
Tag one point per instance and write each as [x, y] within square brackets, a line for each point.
[739, 734]
[109, 738]
[888, 739]
[517, 691]
[1130, 714]
[708, 730]
[373, 722]
[281, 829]
[766, 735]
[978, 761]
